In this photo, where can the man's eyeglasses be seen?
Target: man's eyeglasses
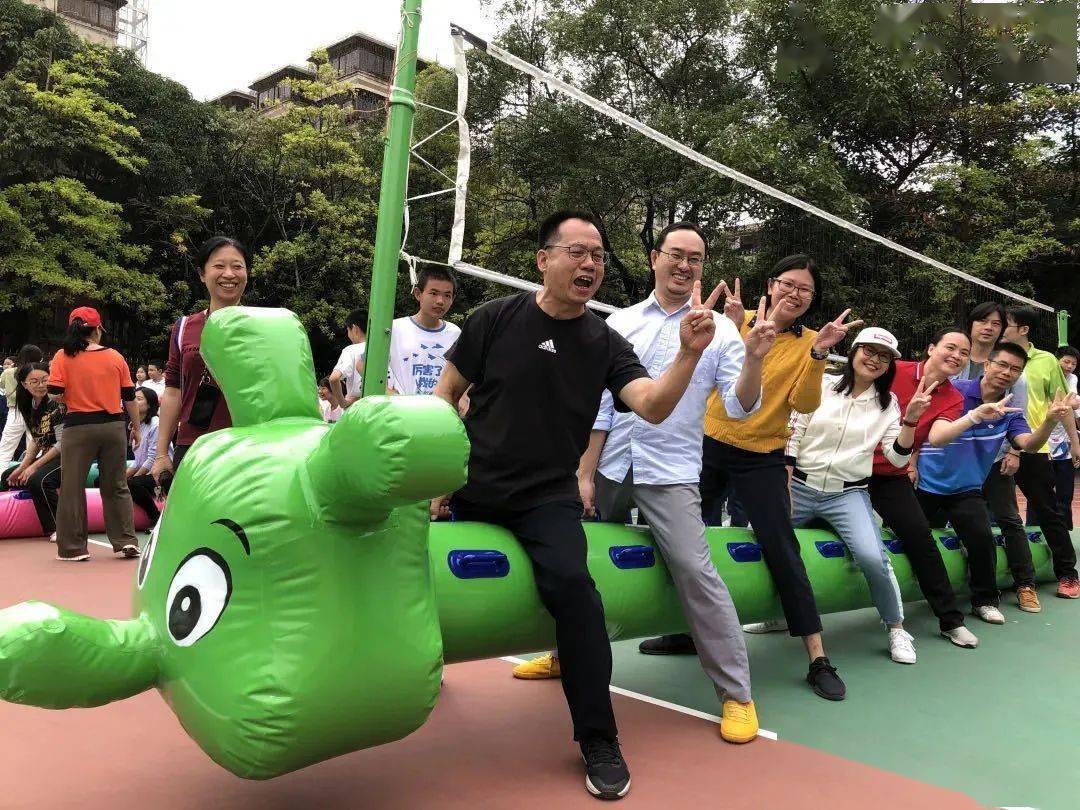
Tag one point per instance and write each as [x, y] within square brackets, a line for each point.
[884, 357]
[1001, 365]
[788, 287]
[578, 253]
[677, 256]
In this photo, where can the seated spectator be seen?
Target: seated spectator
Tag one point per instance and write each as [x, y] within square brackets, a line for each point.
[140, 482]
[330, 411]
[155, 378]
[14, 427]
[39, 471]
[140, 376]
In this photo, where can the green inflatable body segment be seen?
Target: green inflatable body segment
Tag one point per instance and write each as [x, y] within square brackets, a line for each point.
[294, 603]
[489, 605]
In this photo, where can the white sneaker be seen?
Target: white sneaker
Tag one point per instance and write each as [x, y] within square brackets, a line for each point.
[901, 650]
[771, 626]
[961, 637]
[989, 614]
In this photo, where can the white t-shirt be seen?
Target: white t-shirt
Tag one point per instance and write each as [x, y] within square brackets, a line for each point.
[1059, 439]
[417, 355]
[157, 387]
[329, 412]
[346, 364]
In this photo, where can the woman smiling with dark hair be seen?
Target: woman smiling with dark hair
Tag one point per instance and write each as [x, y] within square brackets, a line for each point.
[192, 404]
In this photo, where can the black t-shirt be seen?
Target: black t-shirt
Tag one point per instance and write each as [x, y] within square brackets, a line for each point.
[537, 383]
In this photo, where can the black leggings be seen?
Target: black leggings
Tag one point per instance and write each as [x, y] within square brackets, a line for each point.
[142, 493]
[43, 486]
[893, 497]
[759, 481]
[552, 536]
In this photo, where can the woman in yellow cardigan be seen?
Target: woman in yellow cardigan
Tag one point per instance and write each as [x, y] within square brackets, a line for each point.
[748, 454]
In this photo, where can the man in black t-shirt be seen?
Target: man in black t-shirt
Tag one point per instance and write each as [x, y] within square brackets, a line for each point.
[537, 364]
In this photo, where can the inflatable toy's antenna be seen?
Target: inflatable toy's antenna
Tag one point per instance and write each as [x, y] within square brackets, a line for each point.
[395, 181]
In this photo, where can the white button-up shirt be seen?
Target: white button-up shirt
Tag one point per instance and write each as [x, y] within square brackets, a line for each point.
[669, 453]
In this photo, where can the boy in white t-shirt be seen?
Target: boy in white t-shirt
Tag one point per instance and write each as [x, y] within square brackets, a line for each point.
[349, 369]
[418, 342]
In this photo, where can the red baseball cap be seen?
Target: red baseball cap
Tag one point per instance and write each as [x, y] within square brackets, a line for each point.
[89, 316]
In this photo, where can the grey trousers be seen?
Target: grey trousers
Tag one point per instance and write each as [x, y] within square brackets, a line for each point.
[673, 512]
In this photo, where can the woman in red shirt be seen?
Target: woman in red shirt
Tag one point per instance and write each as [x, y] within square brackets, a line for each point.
[192, 404]
[92, 381]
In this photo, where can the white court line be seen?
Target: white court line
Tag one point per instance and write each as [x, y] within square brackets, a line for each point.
[100, 543]
[663, 704]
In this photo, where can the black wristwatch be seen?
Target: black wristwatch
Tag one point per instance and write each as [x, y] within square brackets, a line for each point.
[817, 356]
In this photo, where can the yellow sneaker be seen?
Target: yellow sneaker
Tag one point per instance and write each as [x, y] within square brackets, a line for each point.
[739, 723]
[546, 666]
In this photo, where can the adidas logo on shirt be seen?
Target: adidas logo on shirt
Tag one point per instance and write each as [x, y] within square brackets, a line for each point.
[548, 346]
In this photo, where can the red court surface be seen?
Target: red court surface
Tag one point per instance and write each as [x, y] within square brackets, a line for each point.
[491, 742]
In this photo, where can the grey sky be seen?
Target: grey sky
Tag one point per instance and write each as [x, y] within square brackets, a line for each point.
[213, 46]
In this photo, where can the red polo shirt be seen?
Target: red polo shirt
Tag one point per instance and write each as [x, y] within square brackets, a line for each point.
[945, 403]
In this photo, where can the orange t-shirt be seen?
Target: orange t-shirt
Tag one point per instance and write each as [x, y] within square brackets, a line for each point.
[92, 382]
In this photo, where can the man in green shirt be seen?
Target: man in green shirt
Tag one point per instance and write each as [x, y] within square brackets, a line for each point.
[1044, 380]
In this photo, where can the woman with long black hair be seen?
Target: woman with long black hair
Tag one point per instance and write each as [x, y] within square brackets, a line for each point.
[14, 427]
[39, 471]
[192, 403]
[91, 381]
[140, 482]
[832, 454]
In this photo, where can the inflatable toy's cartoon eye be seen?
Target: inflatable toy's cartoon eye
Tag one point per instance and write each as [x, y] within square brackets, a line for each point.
[148, 555]
[198, 594]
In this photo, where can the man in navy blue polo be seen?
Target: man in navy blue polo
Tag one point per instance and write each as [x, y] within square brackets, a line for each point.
[951, 474]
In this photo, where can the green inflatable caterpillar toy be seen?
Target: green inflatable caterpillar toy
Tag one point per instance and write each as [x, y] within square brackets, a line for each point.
[294, 603]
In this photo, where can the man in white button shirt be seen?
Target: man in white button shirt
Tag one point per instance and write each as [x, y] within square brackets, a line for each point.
[155, 378]
[656, 467]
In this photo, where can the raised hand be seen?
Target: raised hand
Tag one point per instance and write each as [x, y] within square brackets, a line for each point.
[1061, 409]
[762, 337]
[834, 331]
[697, 327]
[920, 401]
[733, 305]
[990, 411]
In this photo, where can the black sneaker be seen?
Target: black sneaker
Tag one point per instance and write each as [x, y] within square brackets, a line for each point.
[606, 774]
[824, 681]
[678, 644]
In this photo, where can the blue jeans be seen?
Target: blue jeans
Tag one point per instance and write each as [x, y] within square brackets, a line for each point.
[852, 518]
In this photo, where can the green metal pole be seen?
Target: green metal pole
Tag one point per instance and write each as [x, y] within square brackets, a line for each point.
[395, 182]
[1063, 327]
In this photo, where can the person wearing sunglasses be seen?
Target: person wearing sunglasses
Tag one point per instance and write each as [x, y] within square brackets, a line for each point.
[192, 404]
[39, 471]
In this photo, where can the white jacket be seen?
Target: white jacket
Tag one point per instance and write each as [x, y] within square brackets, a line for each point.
[833, 447]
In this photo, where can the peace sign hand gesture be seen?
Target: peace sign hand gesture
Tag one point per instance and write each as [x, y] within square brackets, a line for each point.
[920, 401]
[733, 305]
[697, 327]
[1061, 408]
[762, 337]
[990, 411]
[834, 331]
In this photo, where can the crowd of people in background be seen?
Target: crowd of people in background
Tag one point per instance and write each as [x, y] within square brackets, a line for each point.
[667, 409]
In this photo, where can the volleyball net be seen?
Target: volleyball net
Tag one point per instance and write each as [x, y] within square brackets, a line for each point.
[749, 224]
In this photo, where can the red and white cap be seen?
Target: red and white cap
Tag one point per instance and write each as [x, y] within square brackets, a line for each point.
[878, 337]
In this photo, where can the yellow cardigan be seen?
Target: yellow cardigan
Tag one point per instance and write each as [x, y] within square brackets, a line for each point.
[790, 381]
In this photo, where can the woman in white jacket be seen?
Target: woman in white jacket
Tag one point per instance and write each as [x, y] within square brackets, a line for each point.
[832, 453]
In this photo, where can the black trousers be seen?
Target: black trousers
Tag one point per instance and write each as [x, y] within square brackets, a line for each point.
[893, 497]
[142, 493]
[552, 535]
[1036, 480]
[1065, 488]
[759, 482]
[1000, 493]
[970, 518]
[43, 486]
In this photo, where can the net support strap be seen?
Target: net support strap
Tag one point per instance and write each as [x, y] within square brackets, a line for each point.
[457, 231]
[569, 90]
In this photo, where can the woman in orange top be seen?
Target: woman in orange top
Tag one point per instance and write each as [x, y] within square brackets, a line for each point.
[92, 381]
